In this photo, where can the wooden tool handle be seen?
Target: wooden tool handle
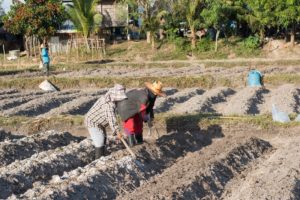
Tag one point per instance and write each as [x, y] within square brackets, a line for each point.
[128, 148]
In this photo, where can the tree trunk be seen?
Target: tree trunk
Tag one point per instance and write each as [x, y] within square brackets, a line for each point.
[161, 34]
[193, 37]
[217, 37]
[286, 35]
[152, 41]
[87, 44]
[262, 36]
[148, 37]
[293, 35]
[26, 46]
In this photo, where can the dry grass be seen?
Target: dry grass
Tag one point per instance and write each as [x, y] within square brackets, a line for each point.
[204, 81]
[162, 121]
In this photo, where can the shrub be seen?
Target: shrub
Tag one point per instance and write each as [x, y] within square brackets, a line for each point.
[252, 42]
[205, 44]
[182, 44]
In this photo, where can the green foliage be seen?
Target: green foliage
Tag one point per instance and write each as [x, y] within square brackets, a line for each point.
[182, 44]
[287, 12]
[260, 14]
[84, 15]
[252, 42]
[35, 17]
[205, 44]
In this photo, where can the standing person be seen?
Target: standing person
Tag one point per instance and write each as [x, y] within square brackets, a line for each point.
[45, 58]
[103, 114]
[138, 108]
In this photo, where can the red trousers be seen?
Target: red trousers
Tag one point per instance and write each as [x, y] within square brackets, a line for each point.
[134, 125]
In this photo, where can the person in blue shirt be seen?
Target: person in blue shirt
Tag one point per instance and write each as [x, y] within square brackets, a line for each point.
[45, 58]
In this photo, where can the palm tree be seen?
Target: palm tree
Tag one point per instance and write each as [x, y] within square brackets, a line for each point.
[190, 10]
[84, 15]
[153, 11]
[192, 17]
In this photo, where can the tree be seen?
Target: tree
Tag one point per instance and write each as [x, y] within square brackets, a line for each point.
[215, 15]
[84, 15]
[192, 12]
[260, 14]
[41, 18]
[288, 16]
[151, 12]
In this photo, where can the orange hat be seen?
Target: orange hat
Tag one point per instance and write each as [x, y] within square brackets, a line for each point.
[156, 88]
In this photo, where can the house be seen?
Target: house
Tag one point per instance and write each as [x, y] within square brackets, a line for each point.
[114, 21]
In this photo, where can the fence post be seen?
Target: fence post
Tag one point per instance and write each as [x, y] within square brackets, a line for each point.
[3, 47]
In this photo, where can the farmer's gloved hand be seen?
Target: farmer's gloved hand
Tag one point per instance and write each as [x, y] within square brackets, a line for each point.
[147, 118]
[119, 136]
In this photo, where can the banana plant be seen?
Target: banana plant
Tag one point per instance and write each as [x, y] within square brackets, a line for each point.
[86, 18]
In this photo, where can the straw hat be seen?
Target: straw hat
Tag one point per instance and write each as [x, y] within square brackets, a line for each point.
[156, 88]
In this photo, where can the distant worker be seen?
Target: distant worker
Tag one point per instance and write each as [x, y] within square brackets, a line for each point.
[138, 108]
[45, 58]
[103, 114]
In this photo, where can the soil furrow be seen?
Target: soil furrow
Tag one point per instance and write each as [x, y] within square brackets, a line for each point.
[41, 105]
[165, 104]
[11, 151]
[285, 98]
[106, 179]
[194, 177]
[204, 102]
[21, 94]
[8, 91]
[78, 106]
[11, 103]
[245, 101]
[281, 168]
[8, 136]
[19, 176]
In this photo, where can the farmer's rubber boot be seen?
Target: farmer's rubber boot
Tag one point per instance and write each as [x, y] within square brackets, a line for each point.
[131, 141]
[99, 152]
[139, 138]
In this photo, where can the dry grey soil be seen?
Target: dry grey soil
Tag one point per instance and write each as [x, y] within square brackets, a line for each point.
[187, 69]
[228, 161]
[185, 162]
[220, 100]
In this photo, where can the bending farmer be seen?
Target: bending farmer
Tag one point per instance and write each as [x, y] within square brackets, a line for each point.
[103, 114]
[138, 108]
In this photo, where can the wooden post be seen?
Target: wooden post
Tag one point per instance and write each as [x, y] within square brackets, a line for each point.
[34, 49]
[92, 42]
[67, 52]
[3, 47]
